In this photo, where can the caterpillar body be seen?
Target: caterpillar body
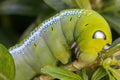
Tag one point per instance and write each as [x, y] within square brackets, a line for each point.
[52, 40]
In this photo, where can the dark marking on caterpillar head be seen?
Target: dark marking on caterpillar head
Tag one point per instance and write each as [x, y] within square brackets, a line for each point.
[71, 19]
[86, 24]
[52, 28]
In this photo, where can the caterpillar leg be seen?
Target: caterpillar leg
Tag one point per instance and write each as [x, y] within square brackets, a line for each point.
[44, 77]
[75, 65]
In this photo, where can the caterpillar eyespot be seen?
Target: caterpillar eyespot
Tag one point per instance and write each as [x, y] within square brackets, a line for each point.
[53, 39]
[99, 34]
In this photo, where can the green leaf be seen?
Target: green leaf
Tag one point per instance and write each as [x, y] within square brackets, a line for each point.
[117, 41]
[83, 4]
[106, 63]
[84, 74]
[112, 78]
[66, 4]
[113, 21]
[110, 62]
[70, 3]
[24, 7]
[7, 67]
[115, 73]
[109, 74]
[99, 73]
[56, 4]
[60, 73]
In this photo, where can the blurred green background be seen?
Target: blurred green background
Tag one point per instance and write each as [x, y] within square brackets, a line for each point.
[19, 17]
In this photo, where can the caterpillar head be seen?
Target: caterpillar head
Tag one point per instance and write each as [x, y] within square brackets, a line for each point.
[94, 35]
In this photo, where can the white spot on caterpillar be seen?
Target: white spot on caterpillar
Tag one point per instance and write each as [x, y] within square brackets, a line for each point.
[106, 47]
[99, 34]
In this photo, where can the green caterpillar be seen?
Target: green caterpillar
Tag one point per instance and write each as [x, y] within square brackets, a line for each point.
[52, 40]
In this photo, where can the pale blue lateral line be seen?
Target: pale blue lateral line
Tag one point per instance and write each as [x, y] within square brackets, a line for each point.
[41, 28]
